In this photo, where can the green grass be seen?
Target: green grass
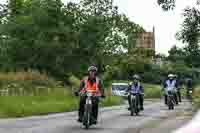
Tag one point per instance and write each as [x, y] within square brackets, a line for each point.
[152, 91]
[20, 106]
[112, 100]
[56, 100]
[196, 98]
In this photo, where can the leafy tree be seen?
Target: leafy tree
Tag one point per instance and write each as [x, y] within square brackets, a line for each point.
[15, 6]
[190, 34]
[169, 4]
[176, 54]
[48, 35]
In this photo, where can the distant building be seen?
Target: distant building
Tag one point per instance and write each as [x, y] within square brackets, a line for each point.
[146, 40]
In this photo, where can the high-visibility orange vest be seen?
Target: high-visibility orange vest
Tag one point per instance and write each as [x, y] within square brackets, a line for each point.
[92, 87]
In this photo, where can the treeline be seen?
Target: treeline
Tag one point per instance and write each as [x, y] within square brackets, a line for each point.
[60, 39]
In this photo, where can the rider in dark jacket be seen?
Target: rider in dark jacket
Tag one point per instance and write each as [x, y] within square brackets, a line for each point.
[170, 83]
[137, 88]
[189, 85]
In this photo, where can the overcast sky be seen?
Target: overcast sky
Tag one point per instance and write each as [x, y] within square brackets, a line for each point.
[148, 14]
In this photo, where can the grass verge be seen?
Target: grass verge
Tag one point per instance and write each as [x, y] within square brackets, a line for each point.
[152, 91]
[21, 106]
[196, 98]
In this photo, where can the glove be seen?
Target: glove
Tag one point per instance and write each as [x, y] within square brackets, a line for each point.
[103, 96]
[76, 93]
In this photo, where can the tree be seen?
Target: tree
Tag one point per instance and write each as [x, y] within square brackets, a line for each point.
[190, 34]
[169, 4]
[176, 54]
[48, 35]
[15, 7]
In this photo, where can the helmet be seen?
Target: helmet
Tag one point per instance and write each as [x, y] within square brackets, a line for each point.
[92, 68]
[170, 76]
[136, 77]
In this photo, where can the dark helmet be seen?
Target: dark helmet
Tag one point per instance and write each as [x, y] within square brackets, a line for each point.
[92, 68]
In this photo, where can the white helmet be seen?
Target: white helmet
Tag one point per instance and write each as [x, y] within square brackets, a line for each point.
[92, 68]
[136, 77]
[170, 76]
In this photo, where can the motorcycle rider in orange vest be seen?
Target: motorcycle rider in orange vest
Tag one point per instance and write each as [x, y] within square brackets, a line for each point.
[94, 84]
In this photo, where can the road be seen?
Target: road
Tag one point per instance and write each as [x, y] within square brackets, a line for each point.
[155, 118]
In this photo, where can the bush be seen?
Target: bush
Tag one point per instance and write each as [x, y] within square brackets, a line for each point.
[74, 81]
[196, 98]
[152, 77]
[152, 91]
[30, 75]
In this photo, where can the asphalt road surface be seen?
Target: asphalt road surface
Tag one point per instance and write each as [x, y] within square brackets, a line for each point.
[156, 118]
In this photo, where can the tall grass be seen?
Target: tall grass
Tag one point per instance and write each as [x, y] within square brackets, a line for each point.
[152, 91]
[34, 93]
[27, 82]
[196, 98]
[23, 75]
[20, 106]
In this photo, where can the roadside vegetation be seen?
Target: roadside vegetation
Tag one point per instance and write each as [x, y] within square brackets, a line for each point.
[196, 98]
[46, 47]
[33, 93]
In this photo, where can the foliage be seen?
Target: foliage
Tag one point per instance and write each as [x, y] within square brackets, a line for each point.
[176, 54]
[47, 35]
[167, 4]
[30, 75]
[196, 98]
[20, 106]
[190, 34]
[152, 91]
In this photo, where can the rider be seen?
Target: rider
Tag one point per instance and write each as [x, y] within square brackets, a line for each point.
[178, 87]
[189, 85]
[93, 83]
[138, 88]
[170, 83]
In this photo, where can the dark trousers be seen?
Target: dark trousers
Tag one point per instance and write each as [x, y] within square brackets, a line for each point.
[140, 98]
[95, 106]
[179, 95]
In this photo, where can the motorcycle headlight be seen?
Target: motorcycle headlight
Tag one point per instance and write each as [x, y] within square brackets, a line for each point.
[190, 92]
[89, 94]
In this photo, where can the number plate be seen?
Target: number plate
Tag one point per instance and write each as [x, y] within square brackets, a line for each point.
[89, 94]
[89, 102]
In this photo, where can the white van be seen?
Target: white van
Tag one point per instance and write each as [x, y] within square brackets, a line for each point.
[119, 89]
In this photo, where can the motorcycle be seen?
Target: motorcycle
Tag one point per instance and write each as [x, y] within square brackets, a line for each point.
[134, 103]
[170, 100]
[190, 94]
[88, 119]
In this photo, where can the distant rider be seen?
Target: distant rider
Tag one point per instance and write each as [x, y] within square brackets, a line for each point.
[170, 85]
[138, 88]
